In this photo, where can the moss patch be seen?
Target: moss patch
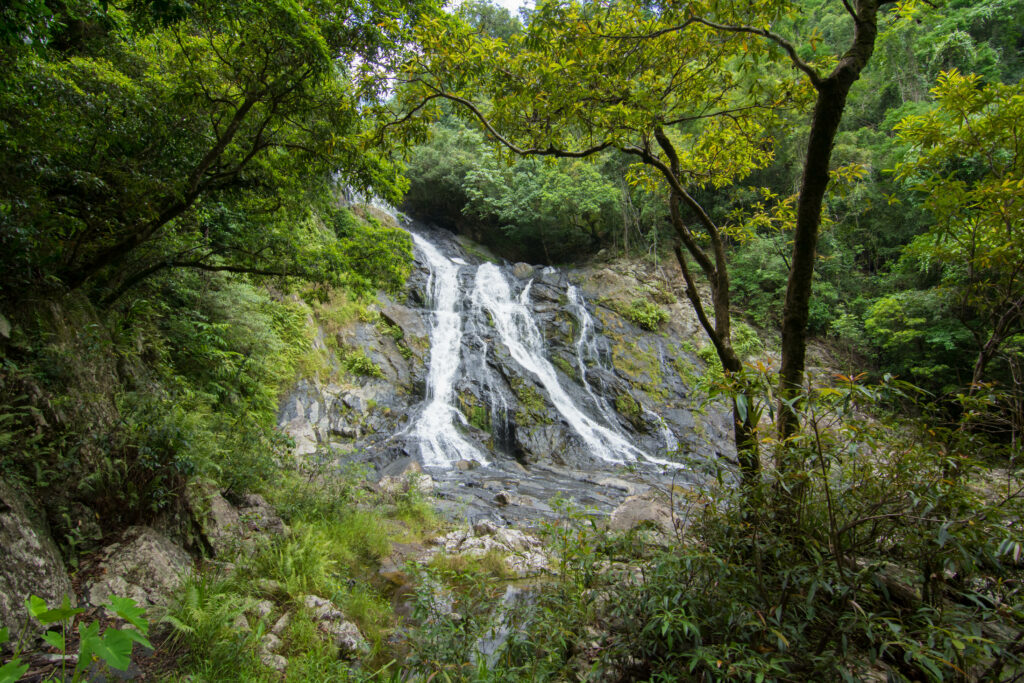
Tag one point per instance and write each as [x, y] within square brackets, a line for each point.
[532, 407]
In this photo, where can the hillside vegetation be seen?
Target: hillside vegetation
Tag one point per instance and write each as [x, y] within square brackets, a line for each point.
[183, 212]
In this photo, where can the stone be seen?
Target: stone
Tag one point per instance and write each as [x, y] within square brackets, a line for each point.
[523, 270]
[281, 624]
[257, 515]
[241, 623]
[645, 510]
[524, 554]
[275, 662]
[145, 566]
[412, 478]
[263, 609]
[270, 643]
[332, 622]
[466, 465]
[31, 563]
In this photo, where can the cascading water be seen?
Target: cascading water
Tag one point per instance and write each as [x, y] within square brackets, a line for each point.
[511, 320]
[518, 331]
[440, 442]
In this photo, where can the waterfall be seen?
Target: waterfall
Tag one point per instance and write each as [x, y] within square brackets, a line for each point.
[440, 441]
[586, 348]
[496, 311]
[517, 330]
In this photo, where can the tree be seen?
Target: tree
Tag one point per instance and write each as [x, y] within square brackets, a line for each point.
[118, 159]
[967, 163]
[689, 91]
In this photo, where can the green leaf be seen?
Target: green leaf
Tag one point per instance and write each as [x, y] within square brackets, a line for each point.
[37, 608]
[12, 671]
[4, 635]
[126, 609]
[55, 639]
[115, 647]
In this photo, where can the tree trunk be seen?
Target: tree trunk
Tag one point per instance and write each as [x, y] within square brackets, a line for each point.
[828, 112]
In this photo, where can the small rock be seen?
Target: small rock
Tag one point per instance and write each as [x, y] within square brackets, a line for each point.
[241, 623]
[466, 465]
[275, 662]
[281, 624]
[485, 527]
[523, 270]
[331, 621]
[270, 643]
[263, 609]
[504, 498]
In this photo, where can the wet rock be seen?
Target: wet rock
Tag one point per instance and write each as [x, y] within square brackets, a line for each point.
[144, 565]
[332, 622]
[523, 270]
[30, 564]
[466, 465]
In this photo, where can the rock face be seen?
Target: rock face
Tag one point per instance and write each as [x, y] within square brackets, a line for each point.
[636, 384]
[30, 563]
[143, 565]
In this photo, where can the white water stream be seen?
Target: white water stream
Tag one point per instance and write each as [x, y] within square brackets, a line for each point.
[441, 443]
[514, 323]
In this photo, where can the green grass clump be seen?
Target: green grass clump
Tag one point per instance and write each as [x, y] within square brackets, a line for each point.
[356, 362]
[646, 314]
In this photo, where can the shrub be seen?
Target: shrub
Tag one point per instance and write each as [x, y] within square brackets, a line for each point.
[646, 314]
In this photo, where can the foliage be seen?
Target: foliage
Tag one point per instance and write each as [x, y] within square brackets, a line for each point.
[356, 362]
[646, 314]
[965, 160]
[113, 647]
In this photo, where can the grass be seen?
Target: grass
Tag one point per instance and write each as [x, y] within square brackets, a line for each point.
[339, 533]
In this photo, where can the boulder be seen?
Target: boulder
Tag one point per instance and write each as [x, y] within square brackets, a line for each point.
[332, 622]
[648, 510]
[524, 553]
[31, 563]
[229, 529]
[523, 270]
[144, 565]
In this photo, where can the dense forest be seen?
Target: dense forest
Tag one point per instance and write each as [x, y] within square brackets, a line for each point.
[190, 196]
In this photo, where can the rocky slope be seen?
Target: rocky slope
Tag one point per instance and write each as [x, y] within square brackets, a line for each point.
[611, 380]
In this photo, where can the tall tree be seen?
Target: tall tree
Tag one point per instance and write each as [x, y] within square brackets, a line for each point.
[117, 157]
[689, 101]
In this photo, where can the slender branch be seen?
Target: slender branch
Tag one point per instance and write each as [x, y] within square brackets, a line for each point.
[816, 79]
